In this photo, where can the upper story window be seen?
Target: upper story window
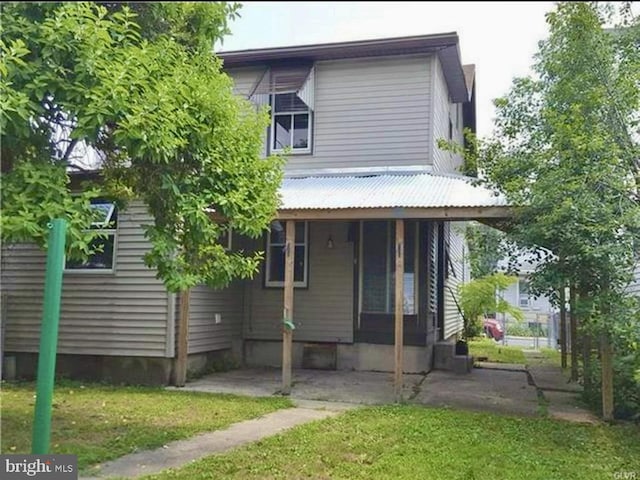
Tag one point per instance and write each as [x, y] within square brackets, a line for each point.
[290, 93]
[291, 125]
[104, 245]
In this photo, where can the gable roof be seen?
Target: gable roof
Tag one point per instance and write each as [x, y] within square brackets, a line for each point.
[445, 45]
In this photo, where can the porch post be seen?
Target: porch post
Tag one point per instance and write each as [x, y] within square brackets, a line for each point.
[287, 316]
[399, 311]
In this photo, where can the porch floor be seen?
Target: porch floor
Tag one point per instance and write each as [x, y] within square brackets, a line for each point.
[484, 390]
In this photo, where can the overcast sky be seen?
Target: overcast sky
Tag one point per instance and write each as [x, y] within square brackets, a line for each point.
[499, 37]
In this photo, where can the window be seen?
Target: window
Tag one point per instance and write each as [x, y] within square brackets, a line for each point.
[226, 237]
[103, 260]
[291, 125]
[276, 255]
[523, 289]
[378, 267]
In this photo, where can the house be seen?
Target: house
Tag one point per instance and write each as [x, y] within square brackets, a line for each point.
[370, 207]
[537, 310]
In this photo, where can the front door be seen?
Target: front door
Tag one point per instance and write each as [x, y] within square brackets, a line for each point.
[375, 280]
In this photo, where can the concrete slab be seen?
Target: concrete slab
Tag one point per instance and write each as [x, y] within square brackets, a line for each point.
[567, 406]
[368, 388]
[176, 454]
[495, 391]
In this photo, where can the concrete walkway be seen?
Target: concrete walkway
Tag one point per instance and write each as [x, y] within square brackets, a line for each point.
[562, 397]
[179, 453]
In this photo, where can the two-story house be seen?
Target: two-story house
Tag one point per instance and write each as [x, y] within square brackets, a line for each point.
[371, 205]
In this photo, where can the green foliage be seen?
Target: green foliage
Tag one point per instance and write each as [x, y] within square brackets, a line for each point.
[145, 91]
[486, 248]
[565, 153]
[488, 349]
[481, 296]
[409, 442]
[97, 422]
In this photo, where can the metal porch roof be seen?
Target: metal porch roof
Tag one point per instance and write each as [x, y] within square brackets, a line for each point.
[417, 190]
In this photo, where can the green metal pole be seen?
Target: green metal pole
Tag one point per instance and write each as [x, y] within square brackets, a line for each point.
[49, 338]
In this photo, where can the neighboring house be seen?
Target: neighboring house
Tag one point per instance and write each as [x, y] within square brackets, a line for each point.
[362, 120]
[538, 310]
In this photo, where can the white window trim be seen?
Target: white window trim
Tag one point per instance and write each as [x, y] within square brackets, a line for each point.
[229, 244]
[522, 304]
[99, 271]
[105, 231]
[305, 278]
[274, 114]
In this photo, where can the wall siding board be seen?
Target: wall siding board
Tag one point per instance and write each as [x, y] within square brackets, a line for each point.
[323, 312]
[453, 321]
[204, 334]
[124, 313]
[443, 111]
[368, 112]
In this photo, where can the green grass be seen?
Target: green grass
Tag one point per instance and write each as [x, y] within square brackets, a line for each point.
[495, 352]
[551, 357]
[100, 423]
[408, 442]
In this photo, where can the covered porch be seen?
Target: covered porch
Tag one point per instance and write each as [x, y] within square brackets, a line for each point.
[399, 259]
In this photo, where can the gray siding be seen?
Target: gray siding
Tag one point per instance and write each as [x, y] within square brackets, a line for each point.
[124, 313]
[323, 312]
[369, 113]
[245, 79]
[453, 321]
[443, 112]
[204, 334]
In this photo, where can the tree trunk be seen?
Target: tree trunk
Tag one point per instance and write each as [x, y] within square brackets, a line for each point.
[573, 321]
[183, 339]
[606, 357]
[563, 328]
[586, 364]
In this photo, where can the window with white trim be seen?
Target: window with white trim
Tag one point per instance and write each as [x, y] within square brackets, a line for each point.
[523, 293]
[291, 123]
[276, 242]
[226, 237]
[103, 245]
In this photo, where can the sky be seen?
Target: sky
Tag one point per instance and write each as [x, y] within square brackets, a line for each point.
[500, 38]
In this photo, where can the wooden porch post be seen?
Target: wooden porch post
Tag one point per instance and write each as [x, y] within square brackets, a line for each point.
[399, 311]
[287, 316]
[183, 338]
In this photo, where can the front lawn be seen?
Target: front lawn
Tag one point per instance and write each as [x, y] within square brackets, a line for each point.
[495, 352]
[409, 442]
[100, 423]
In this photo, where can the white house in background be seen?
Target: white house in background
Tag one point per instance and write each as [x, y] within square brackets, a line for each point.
[535, 309]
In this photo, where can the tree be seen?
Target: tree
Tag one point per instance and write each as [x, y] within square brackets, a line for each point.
[481, 296]
[565, 154]
[143, 96]
[486, 249]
